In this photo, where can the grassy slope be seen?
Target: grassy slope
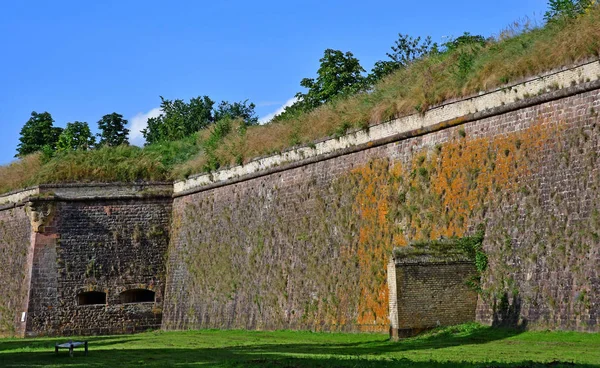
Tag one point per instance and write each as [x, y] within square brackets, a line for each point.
[516, 53]
[468, 345]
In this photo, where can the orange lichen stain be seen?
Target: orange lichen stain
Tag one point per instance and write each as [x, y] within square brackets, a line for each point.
[372, 205]
[441, 192]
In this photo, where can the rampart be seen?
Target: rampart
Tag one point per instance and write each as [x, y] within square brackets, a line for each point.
[301, 240]
[81, 254]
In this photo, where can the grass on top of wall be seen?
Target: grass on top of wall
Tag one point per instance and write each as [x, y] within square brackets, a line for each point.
[107, 164]
[517, 52]
[469, 345]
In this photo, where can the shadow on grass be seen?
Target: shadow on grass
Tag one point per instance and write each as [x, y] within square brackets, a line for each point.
[49, 342]
[235, 357]
[106, 352]
[446, 337]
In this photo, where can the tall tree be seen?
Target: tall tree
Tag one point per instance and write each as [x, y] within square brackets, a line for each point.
[558, 9]
[38, 134]
[179, 119]
[339, 74]
[76, 136]
[405, 50]
[242, 109]
[112, 130]
[466, 39]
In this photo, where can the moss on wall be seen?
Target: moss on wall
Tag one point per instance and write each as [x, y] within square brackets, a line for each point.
[15, 235]
[307, 248]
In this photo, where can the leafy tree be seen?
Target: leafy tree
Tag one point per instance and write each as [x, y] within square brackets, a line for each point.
[406, 49]
[339, 74]
[38, 134]
[559, 9]
[179, 119]
[112, 130]
[466, 39]
[76, 136]
[465, 48]
[236, 110]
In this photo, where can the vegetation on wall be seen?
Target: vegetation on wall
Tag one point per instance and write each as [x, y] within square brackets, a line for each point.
[14, 246]
[331, 273]
[470, 246]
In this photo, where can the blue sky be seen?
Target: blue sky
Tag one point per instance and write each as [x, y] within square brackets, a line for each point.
[80, 60]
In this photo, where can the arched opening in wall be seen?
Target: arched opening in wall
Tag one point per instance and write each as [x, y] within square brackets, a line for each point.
[91, 298]
[137, 296]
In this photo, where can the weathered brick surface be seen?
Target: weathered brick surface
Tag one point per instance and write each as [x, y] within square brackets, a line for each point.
[308, 247]
[15, 234]
[432, 295]
[108, 246]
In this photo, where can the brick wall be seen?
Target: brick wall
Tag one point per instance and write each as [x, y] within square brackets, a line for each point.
[15, 235]
[432, 295]
[307, 247]
[98, 245]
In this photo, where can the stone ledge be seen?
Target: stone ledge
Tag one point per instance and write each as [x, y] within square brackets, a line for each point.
[86, 192]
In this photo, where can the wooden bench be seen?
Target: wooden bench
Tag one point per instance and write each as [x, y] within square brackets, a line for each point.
[71, 345]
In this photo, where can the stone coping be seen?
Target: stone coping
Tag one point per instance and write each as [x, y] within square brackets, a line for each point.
[88, 191]
[439, 252]
[546, 87]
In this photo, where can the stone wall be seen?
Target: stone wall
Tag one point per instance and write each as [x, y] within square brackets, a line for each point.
[432, 284]
[301, 240]
[98, 245]
[306, 246]
[58, 243]
[433, 295]
[15, 268]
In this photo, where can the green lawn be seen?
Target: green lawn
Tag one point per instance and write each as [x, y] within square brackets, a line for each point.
[468, 345]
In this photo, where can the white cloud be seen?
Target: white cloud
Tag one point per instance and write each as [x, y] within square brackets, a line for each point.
[267, 118]
[267, 103]
[138, 123]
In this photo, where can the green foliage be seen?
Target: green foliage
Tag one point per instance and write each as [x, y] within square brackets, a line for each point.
[172, 153]
[112, 130]
[406, 50]
[559, 9]
[473, 247]
[76, 136]
[340, 74]
[37, 133]
[105, 164]
[237, 110]
[179, 119]
[466, 39]
[210, 145]
[48, 152]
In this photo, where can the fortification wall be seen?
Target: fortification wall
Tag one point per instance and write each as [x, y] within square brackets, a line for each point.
[108, 246]
[305, 244]
[15, 269]
[301, 240]
[85, 238]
